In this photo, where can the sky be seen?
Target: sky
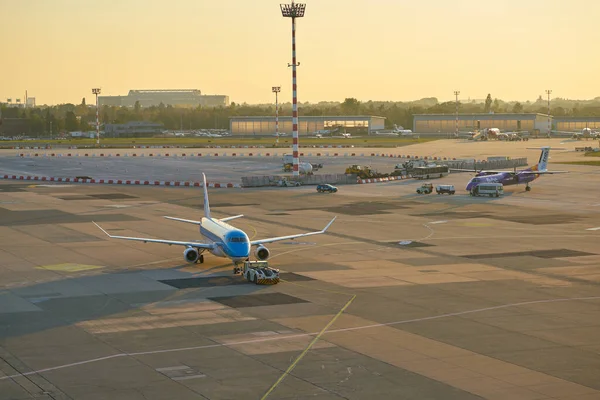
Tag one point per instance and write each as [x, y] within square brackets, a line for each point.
[383, 50]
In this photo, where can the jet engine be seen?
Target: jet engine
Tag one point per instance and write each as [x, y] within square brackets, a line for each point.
[262, 253]
[191, 255]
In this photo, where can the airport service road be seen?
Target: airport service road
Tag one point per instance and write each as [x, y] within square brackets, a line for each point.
[217, 169]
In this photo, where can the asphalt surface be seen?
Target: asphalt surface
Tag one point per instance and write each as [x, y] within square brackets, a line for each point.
[407, 297]
[218, 169]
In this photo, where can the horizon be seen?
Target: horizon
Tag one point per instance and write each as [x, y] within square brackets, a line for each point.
[216, 47]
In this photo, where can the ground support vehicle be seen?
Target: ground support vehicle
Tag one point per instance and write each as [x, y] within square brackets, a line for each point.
[441, 189]
[488, 189]
[287, 183]
[425, 188]
[259, 272]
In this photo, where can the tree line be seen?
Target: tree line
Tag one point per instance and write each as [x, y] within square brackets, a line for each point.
[70, 117]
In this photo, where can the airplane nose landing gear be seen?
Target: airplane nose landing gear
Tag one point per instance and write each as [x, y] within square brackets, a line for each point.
[527, 188]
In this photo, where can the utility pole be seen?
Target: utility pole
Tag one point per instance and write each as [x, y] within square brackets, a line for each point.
[548, 92]
[276, 90]
[293, 11]
[96, 91]
[456, 93]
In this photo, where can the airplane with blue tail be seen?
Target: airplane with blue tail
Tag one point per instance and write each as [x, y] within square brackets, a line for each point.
[507, 178]
[221, 239]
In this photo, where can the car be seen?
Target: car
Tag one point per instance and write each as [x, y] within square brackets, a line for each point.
[441, 189]
[326, 188]
[425, 188]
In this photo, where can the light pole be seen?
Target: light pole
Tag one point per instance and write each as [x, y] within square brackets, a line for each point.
[293, 11]
[276, 90]
[548, 92]
[96, 91]
[456, 93]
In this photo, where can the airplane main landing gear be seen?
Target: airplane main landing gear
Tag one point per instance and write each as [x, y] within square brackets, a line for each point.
[200, 259]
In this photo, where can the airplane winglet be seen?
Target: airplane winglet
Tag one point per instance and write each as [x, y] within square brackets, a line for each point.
[329, 224]
[99, 227]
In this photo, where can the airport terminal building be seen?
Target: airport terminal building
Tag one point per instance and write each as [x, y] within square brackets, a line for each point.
[175, 98]
[307, 125]
[446, 123]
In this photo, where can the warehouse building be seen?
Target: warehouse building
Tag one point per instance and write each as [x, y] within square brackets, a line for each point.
[576, 124]
[175, 98]
[446, 123]
[307, 125]
[133, 129]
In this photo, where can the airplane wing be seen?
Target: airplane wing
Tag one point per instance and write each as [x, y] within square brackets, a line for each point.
[189, 221]
[277, 239]
[487, 171]
[542, 172]
[169, 242]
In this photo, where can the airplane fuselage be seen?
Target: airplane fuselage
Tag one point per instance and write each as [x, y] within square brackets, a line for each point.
[505, 178]
[229, 242]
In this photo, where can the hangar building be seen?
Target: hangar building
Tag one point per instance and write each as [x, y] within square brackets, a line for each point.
[306, 124]
[576, 124]
[446, 123]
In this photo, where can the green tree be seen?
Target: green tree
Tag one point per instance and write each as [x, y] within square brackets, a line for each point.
[488, 104]
[137, 107]
[350, 106]
[83, 102]
[496, 106]
[71, 123]
[517, 108]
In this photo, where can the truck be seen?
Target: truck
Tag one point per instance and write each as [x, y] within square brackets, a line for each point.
[260, 273]
[425, 188]
[304, 168]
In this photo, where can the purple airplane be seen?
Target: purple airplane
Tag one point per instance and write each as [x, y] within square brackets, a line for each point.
[514, 178]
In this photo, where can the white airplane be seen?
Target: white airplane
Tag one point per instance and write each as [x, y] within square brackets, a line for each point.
[222, 239]
[586, 133]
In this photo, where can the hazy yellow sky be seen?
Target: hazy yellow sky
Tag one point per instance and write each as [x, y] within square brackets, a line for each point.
[369, 49]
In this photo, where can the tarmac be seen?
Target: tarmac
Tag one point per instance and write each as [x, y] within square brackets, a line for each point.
[406, 297]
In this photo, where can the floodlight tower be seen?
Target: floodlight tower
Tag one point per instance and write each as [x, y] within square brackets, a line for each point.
[293, 11]
[276, 90]
[548, 92]
[456, 93]
[96, 91]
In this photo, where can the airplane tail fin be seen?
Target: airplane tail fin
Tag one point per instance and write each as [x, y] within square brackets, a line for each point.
[542, 164]
[206, 204]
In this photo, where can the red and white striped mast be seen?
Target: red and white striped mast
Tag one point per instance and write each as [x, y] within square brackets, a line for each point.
[276, 90]
[293, 11]
[96, 91]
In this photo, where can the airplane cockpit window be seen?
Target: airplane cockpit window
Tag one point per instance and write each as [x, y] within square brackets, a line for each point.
[238, 239]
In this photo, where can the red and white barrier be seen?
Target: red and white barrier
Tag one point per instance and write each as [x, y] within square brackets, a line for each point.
[119, 181]
[377, 180]
[185, 155]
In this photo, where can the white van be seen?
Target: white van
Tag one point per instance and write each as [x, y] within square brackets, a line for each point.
[488, 189]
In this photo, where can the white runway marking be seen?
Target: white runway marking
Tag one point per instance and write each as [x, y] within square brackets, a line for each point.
[593, 229]
[300, 335]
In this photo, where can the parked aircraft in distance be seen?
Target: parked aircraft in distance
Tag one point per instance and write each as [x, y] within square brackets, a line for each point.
[221, 239]
[514, 177]
[586, 133]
